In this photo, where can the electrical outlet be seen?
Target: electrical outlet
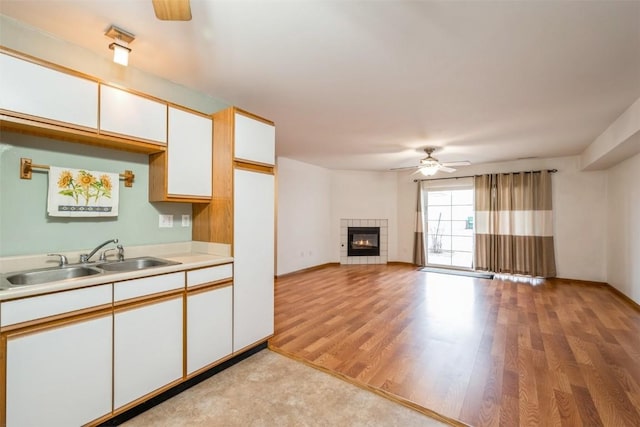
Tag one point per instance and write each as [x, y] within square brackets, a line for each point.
[186, 220]
[165, 221]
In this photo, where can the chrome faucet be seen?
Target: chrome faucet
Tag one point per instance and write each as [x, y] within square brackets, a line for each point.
[86, 257]
[62, 261]
[120, 253]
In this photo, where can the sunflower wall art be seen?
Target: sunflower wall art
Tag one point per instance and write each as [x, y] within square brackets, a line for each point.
[79, 192]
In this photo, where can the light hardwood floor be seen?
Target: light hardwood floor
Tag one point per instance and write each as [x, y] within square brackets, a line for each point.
[484, 352]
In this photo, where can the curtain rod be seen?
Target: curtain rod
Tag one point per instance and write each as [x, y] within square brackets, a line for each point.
[473, 176]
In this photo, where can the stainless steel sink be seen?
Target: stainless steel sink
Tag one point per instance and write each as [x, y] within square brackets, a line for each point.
[54, 274]
[45, 275]
[133, 264]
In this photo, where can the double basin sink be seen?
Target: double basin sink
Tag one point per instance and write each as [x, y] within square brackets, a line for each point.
[54, 274]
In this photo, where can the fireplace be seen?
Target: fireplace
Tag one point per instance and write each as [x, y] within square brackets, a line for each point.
[363, 241]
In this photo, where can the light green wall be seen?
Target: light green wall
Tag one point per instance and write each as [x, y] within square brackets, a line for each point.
[25, 227]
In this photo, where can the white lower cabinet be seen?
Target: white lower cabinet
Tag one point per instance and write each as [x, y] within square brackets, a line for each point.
[209, 327]
[81, 356]
[148, 348]
[59, 376]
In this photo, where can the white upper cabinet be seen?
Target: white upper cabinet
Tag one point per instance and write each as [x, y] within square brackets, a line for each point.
[45, 93]
[255, 140]
[126, 114]
[189, 154]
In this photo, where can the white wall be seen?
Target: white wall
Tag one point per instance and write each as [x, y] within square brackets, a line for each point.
[623, 228]
[363, 195]
[304, 198]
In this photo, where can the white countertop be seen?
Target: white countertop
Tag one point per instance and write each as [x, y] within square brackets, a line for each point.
[190, 255]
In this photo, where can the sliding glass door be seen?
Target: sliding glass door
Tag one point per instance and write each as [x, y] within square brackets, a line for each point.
[448, 222]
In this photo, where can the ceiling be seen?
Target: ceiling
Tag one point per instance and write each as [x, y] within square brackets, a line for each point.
[366, 85]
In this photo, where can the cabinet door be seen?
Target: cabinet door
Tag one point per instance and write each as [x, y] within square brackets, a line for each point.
[148, 349]
[253, 252]
[60, 376]
[189, 154]
[254, 140]
[55, 96]
[126, 114]
[209, 317]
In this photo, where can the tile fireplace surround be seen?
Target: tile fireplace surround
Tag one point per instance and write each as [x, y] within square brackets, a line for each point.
[346, 223]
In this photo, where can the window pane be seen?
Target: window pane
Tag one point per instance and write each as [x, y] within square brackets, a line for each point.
[441, 212]
[443, 227]
[438, 198]
[448, 225]
[462, 243]
[462, 197]
[462, 259]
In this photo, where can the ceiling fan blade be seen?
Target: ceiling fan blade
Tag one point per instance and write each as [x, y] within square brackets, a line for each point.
[406, 168]
[172, 10]
[460, 163]
[446, 169]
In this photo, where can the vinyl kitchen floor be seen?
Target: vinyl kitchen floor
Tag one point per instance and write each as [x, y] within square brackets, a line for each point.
[268, 389]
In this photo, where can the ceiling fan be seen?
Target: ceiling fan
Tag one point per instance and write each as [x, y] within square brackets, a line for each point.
[172, 10]
[430, 165]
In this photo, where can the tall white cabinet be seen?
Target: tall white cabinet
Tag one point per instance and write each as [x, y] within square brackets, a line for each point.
[253, 229]
[242, 214]
[253, 252]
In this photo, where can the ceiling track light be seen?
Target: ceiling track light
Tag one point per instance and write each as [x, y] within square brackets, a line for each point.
[120, 45]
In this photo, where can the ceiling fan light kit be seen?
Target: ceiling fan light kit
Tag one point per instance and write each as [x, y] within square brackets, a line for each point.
[429, 170]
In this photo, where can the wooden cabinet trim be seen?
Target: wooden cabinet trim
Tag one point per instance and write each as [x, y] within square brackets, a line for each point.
[254, 167]
[46, 121]
[64, 132]
[47, 64]
[253, 116]
[137, 302]
[187, 109]
[125, 286]
[3, 380]
[214, 274]
[245, 348]
[125, 137]
[55, 322]
[205, 287]
[146, 397]
[134, 92]
[209, 366]
[212, 221]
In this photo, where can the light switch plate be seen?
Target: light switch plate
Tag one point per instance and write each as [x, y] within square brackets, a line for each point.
[186, 220]
[165, 221]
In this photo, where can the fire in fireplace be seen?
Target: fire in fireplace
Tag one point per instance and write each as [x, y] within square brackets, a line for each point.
[363, 241]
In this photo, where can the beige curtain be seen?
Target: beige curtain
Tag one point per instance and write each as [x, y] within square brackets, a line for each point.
[514, 224]
[418, 239]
